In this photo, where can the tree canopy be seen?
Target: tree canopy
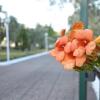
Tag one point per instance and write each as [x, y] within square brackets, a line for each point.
[25, 37]
[93, 15]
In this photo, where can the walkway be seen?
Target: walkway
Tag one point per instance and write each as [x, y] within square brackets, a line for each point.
[39, 79]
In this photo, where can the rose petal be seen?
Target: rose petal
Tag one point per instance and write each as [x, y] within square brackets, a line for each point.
[79, 52]
[78, 25]
[61, 41]
[68, 61]
[89, 51]
[74, 44]
[57, 42]
[69, 65]
[53, 52]
[90, 47]
[79, 34]
[67, 57]
[80, 61]
[88, 34]
[71, 35]
[60, 56]
[67, 47]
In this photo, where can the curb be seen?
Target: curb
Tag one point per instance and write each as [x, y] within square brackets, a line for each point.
[21, 59]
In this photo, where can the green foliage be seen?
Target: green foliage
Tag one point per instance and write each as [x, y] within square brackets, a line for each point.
[2, 33]
[18, 53]
[14, 30]
[37, 35]
[58, 2]
[89, 66]
[28, 38]
[94, 25]
[93, 15]
[23, 38]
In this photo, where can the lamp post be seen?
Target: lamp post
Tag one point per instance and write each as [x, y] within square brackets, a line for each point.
[6, 23]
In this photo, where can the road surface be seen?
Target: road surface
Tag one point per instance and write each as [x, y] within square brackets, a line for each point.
[41, 78]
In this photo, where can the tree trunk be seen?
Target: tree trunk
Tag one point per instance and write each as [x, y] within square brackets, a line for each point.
[16, 45]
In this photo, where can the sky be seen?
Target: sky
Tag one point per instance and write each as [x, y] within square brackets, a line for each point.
[32, 12]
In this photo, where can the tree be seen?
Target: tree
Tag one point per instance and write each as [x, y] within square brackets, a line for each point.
[23, 38]
[93, 15]
[39, 34]
[58, 2]
[14, 30]
[2, 32]
[49, 30]
[28, 37]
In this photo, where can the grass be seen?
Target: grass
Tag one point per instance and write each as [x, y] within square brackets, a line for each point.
[18, 53]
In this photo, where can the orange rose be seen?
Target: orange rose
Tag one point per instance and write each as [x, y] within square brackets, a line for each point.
[73, 49]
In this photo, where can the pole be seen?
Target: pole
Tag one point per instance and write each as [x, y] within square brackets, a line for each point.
[7, 41]
[46, 41]
[7, 33]
[7, 36]
[82, 77]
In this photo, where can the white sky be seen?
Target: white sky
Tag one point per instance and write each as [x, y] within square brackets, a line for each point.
[31, 12]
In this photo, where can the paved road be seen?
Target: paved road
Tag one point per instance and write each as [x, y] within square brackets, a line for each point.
[39, 79]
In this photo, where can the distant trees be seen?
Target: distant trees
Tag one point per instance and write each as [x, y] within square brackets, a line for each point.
[93, 12]
[27, 38]
[23, 38]
[93, 15]
[2, 32]
[14, 30]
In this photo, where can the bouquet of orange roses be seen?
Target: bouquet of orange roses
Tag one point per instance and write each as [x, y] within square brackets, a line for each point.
[79, 49]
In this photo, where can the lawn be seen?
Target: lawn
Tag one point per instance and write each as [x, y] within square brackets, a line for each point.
[18, 53]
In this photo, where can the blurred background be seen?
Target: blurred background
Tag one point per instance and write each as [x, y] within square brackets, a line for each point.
[34, 25]
[29, 27]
